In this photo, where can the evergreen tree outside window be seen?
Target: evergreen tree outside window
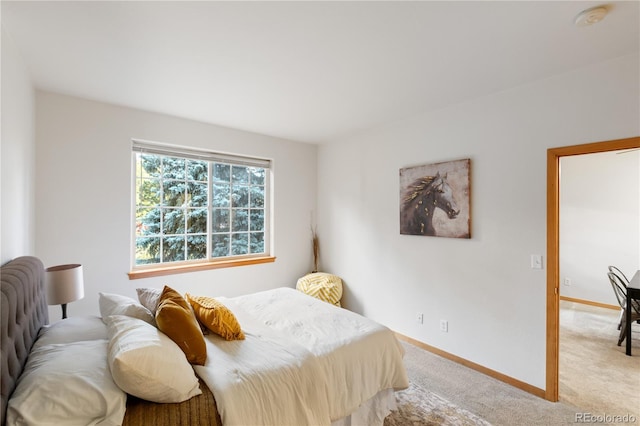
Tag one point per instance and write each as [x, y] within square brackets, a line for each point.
[193, 206]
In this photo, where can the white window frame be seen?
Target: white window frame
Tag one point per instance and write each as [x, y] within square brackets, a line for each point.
[166, 268]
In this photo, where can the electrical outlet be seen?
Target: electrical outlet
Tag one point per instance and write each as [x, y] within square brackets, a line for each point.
[567, 281]
[444, 326]
[420, 317]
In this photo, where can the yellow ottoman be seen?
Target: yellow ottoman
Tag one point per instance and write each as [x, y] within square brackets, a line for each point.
[323, 286]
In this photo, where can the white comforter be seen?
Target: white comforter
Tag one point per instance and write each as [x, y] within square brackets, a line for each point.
[303, 362]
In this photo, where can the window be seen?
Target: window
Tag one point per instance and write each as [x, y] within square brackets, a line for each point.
[195, 207]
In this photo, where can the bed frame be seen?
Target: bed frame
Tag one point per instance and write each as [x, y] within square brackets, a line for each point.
[24, 311]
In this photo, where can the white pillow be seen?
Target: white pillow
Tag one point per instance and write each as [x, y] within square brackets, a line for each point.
[146, 363]
[67, 384]
[115, 304]
[73, 329]
[149, 297]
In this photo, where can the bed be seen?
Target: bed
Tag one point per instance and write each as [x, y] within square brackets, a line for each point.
[299, 361]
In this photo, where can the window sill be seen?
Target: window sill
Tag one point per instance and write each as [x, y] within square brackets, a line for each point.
[181, 269]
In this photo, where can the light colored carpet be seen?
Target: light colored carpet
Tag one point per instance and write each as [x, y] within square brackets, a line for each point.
[485, 397]
[589, 383]
[595, 373]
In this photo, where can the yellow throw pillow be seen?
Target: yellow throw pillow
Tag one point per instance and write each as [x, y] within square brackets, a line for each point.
[175, 319]
[216, 317]
[323, 286]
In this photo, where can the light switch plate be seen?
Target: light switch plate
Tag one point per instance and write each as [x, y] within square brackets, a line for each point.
[536, 261]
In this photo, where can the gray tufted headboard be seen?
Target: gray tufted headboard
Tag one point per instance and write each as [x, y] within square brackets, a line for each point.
[24, 311]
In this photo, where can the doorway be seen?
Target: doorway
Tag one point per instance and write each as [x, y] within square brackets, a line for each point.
[553, 248]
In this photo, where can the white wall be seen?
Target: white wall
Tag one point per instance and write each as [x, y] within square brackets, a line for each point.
[494, 302]
[17, 154]
[84, 197]
[599, 222]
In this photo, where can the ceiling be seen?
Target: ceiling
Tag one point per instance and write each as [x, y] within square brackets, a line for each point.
[307, 71]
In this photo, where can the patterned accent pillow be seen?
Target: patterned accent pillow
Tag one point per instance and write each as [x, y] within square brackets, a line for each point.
[216, 317]
[323, 286]
[175, 319]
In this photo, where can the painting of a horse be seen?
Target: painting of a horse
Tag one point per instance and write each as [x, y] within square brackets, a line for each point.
[435, 204]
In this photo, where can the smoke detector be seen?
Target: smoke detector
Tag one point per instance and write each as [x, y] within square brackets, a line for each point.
[590, 16]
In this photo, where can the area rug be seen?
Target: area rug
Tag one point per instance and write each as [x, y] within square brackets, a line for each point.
[419, 407]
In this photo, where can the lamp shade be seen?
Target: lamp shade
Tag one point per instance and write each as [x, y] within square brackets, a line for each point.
[64, 284]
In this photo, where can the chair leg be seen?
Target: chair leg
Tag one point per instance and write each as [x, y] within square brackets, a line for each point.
[623, 328]
[620, 321]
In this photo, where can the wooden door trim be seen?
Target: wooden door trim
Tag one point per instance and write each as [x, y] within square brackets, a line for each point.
[553, 247]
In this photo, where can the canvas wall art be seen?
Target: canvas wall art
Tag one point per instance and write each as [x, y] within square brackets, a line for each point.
[435, 199]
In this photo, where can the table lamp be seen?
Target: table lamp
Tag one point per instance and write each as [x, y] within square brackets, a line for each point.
[64, 285]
